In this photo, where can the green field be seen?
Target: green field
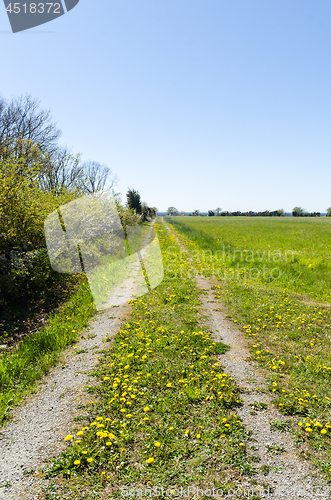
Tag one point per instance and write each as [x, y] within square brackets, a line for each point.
[274, 276]
[299, 248]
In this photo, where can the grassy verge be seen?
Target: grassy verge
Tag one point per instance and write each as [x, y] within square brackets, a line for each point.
[164, 411]
[288, 334]
[22, 367]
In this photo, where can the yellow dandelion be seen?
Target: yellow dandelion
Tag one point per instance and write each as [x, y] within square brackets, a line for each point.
[90, 460]
[157, 444]
[150, 460]
[68, 438]
[77, 462]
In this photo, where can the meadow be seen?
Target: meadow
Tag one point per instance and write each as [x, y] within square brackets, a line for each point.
[274, 275]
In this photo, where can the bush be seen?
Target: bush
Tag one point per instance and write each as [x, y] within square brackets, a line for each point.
[27, 276]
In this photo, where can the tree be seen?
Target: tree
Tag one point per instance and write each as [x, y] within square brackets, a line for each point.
[172, 211]
[62, 171]
[196, 212]
[96, 175]
[211, 213]
[218, 211]
[28, 134]
[133, 200]
[298, 212]
[22, 119]
[328, 212]
[145, 211]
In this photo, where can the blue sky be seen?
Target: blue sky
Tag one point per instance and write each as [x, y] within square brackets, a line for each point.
[198, 104]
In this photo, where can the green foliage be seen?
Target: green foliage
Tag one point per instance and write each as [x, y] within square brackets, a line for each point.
[281, 425]
[133, 200]
[298, 212]
[128, 216]
[23, 204]
[27, 276]
[172, 211]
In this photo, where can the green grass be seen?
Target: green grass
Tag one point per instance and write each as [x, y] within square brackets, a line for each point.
[281, 425]
[299, 248]
[286, 321]
[23, 366]
[164, 411]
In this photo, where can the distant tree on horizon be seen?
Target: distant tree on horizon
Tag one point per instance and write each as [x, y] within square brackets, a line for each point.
[172, 211]
[328, 212]
[217, 211]
[298, 212]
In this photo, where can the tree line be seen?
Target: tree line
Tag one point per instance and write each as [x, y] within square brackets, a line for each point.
[296, 212]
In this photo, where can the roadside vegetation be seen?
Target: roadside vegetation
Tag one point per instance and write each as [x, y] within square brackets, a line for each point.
[164, 411]
[274, 275]
[41, 310]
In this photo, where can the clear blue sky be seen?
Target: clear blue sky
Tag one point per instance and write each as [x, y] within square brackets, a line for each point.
[198, 104]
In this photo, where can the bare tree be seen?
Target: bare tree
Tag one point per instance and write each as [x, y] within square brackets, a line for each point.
[28, 132]
[62, 171]
[22, 119]
[96, 176]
